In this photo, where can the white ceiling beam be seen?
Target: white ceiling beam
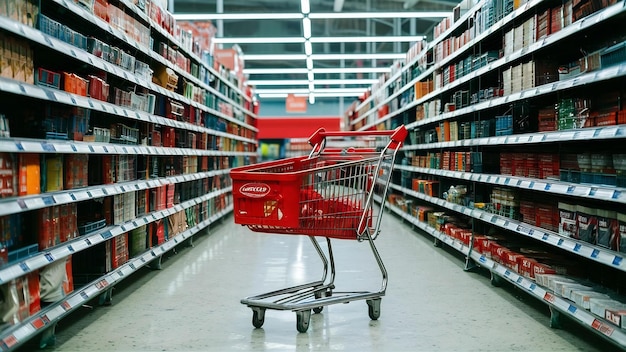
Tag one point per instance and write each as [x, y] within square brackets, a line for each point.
[299, 16]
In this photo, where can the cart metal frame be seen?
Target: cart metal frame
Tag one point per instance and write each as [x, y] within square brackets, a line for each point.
[363, 165]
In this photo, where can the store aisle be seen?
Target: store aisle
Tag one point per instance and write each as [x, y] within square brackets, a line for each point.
[431, 303]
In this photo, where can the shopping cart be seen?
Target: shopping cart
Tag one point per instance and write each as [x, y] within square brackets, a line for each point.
[329, 193]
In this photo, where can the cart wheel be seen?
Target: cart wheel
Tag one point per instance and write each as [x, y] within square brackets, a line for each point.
[373, 308]
[303, 318]
[318, 310]
[258, 317]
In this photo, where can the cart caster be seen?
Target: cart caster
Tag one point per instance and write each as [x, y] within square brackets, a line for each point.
[258, 317]
[318, 310]
[319, 295]
[303, 318]
[373, 310]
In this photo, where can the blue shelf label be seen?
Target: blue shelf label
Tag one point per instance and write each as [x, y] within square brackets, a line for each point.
[595, 253]
[560, 243]
[507, 273]
[533, 287]
[48, 147]
[88, 241]
[49, 257]
[520, 279]
[19, 146]
[617, 194]
[593, 191]
[132, 266]
[106, 235]
[70, 248]
[570, 189]
[73, 147]
[120, 274]
[545, 237]
[91, 150]
[48, 200]
[617, 260]
[572, 309]
[577, 247]
[84, 295]
[532, 184]
[547, 187]
[105, 149]
[24, 266]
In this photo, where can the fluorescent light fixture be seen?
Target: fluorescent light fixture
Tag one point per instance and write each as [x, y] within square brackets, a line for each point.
[345, 81]
[237, 16]
[311, 76]
[273, 57]
[422, 14]
[352, 70]
[317, 94]
[308, 48]
[305, 7]
[306, 91]
[358, 56]
[366, 39]
[309, 63]
[311, 86]
[273, 71]
[306, 27]
[262, 40]
[311, 98]
[304, 82]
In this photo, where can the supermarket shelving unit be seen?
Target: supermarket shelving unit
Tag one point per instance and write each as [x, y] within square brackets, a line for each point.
[187, 175]
[478, 54]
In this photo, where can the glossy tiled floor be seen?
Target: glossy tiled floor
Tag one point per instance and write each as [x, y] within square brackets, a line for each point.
[193, 304]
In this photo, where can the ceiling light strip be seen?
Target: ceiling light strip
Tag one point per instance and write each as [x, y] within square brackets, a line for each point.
[273, 71]
[236, 16]
[259, 40]
[306, 91]
[298, 16]
[317, 95]
[373, 15]
[296, 82]
[366, 39]
[274, 57]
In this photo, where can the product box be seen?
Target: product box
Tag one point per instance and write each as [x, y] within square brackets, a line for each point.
[583, 297]
[586, 224]
[8, 184]
[599, 306]
[608, 229]
[621, 245]
[567, 226]
[137, 241]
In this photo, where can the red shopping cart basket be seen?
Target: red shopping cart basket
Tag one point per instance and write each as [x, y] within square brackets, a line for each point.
[327, 193]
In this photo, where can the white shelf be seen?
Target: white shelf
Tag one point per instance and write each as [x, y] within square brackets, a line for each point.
[584, 134]
[553, 39]
[495, 28]
[49, 255]
[590, 191]
[455, 26]
[598, 254]
[54, 44]
[16, 205]
[566, 307]
[17, 335]
[58, 96]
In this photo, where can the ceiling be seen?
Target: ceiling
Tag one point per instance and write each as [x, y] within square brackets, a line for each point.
[330, 76]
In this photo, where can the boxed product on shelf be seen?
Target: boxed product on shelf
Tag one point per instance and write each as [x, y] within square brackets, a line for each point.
[98, 88]
[600, 306]
[52, 173]
[72, 83]
[49, 227]
[586, 223]
[137, 242]
[8, 175]
[583, 297]
[165, 77]
[621, 238]
[608, 229]
[76, 171]
[29, 174]
[118, 247]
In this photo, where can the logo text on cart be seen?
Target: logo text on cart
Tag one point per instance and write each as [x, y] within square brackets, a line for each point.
[254, 190]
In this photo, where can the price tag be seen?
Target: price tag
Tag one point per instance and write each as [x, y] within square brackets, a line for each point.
[548, 297]
[572, 309]
[617, 261]
[595, 253]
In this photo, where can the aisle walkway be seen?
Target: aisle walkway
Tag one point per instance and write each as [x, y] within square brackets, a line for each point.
[431, 303]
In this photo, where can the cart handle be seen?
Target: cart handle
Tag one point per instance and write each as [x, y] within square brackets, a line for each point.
[397, 136]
